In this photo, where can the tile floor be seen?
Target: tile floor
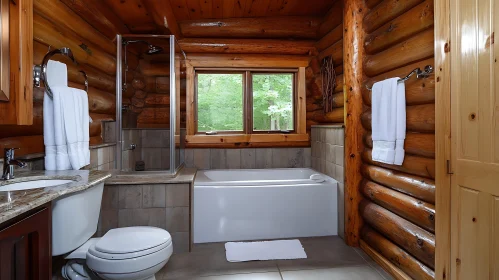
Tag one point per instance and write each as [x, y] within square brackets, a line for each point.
[328, 258]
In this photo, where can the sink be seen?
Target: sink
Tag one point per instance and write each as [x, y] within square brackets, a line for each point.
[33, 185]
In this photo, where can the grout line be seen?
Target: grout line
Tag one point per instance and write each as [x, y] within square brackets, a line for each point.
[370, 264]
[279, 269]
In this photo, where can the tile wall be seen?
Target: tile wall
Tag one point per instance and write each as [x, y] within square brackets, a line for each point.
[159, 205]
[328, 157]
[152, 147]
[248, 158]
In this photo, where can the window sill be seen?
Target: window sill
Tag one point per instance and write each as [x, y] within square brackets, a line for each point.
[248, 140]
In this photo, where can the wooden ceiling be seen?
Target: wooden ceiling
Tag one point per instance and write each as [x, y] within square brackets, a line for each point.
[149, 16]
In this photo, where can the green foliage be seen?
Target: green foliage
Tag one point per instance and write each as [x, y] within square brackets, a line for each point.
[220, 102]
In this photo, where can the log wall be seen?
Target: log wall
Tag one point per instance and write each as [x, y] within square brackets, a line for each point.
[398, 208]
[329, 44]
[56, 26]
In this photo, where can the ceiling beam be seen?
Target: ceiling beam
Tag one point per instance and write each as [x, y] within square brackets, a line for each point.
[98, 15]
[163, 15]
[297, 27]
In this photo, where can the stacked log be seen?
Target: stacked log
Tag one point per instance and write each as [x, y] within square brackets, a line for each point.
[398, 209]
[330, 43]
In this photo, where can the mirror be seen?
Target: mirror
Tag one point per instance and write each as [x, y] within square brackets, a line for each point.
[4, 50]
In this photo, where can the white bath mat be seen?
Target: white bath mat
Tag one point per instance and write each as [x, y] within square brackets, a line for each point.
[264, 250]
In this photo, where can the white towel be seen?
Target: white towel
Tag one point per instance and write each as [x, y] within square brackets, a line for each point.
[388, 121]
[57, 76]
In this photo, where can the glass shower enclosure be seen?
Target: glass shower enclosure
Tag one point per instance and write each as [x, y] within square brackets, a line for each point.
[150, 121]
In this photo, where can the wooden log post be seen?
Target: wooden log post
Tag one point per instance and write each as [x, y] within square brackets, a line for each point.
[397, 256]
[415, 240]
[353, 55]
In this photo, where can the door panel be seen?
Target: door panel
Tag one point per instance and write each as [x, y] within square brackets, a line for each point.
[475, 141]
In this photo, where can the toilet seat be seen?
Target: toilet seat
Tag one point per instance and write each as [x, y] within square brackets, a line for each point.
[129, 250]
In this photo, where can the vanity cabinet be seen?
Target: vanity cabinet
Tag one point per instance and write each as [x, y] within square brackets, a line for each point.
[25, 246]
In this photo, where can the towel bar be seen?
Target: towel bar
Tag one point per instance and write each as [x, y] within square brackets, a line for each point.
[428, 69]
[40, 71]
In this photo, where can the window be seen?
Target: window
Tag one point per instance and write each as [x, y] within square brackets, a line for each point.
[245, 102]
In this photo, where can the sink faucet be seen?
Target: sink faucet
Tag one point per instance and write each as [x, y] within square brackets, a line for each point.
[9, 162]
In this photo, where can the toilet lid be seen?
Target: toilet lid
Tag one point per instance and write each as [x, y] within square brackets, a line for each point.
[132, 239]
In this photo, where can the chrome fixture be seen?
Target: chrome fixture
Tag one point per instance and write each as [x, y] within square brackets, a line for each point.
[9, 162]
[428, 69]
[40, 71]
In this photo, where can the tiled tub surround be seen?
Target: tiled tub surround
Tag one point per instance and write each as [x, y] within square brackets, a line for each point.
[159, 205]
[248, 158]
[102, 157]
[328, 152]
[152, 147]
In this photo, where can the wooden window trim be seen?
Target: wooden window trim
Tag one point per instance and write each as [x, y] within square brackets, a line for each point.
[230, 140]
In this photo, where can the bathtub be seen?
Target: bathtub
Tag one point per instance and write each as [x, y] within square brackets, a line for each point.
[255, 204]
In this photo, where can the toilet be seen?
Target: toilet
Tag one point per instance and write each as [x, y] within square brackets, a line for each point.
[129, 253]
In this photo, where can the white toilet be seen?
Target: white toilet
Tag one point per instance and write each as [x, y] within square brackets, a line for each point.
[131, 253]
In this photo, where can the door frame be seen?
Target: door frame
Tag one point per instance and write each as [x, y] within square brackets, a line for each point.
[442, 12]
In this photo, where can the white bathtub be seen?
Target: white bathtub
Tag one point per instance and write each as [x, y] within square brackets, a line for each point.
[254, 204]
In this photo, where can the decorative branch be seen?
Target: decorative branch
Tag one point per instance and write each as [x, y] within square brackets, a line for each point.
[328, 82]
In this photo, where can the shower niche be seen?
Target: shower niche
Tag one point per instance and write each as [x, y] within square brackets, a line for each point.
[150, 98]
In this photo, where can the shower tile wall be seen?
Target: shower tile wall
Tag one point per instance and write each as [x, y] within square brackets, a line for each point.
[328, 151]
[248, 158]
[152, 146]
[160, 205]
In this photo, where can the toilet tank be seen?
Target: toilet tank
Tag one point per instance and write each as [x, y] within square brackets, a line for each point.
[75, 218]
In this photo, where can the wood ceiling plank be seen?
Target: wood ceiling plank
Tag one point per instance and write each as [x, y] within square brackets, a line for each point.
[163, 15]
[134, 14]
[194, 8]
[180, 9]
[99, 16]
[239, 8]
[206, 8]
[275, 7]
[228, 8]
[217, 9]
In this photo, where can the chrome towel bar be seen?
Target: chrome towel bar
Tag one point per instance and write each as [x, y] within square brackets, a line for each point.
[40, 71]
[428, 69]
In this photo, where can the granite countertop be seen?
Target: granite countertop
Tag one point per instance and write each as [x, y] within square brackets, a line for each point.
[14, 203]
[185, 175]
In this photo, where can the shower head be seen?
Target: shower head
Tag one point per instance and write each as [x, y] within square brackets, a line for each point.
[151, 49]
[154, 49]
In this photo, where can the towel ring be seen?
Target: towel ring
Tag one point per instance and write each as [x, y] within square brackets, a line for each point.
[419, 74]
[40, 71]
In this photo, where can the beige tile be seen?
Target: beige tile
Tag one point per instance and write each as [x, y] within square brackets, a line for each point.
[248, 158]
[341, 210]
[153, 138]
[104, 167]
[330, 169]
[329, 154]
[202, 158]
[153, 195]
[108, 219]
[339, 173]
[154, 217]
[307, 157]
[177, 195]
[130, 196]
[338, 273]
[340, 136]
[279, 158]
[152, 158]
[218, 159]
[102, 156]
[94, 158]
[295, 157]
[331, 136]
[339, 155]
[233, 158]
[180, 242]
[110, 197]
[189, 158]
[246, 276]
[165, 158]
[322, 135]
[109, 132]
[177, 219]
[263, 158]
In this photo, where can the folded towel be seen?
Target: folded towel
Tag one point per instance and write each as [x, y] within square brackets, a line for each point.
[388, 121]
[57, 76]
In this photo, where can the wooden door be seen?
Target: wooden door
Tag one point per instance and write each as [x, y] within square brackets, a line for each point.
[475, 140]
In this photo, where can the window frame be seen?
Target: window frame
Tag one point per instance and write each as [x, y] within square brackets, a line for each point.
[247, 75]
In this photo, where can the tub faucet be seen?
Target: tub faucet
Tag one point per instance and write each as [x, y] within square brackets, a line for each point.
[9, 162]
